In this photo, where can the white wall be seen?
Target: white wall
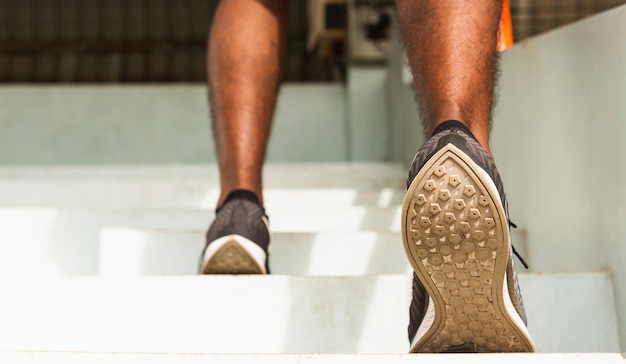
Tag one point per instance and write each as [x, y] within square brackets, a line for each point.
[156, 124]
[559, 142]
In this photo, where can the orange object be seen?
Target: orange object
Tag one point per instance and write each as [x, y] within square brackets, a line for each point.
[505, 32]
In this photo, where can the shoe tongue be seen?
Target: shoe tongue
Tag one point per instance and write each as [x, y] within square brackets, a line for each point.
[452, 124]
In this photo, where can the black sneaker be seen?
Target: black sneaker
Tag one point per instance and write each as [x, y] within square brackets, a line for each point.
[238, 240]
[456, 236]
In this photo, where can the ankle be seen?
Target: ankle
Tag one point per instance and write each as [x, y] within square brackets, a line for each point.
[239, 193]
[477, 131]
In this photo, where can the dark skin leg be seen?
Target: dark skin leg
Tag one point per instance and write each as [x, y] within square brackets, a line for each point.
[451, 50]
[451, 47]
[245, 58]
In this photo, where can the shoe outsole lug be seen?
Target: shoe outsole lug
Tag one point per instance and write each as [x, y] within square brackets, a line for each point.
[463, 266]
[232, 258]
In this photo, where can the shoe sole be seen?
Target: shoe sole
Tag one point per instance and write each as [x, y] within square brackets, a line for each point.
[456, 237]
[232, 258]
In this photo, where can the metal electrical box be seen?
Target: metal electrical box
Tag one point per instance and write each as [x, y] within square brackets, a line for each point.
[369, 27]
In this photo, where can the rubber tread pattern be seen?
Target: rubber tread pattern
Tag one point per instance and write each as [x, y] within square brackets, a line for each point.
[456, 236]
[232, 258]
[457, 133]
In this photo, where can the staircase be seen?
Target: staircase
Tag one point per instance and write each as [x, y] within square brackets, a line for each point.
[102, 259]
[103, 211]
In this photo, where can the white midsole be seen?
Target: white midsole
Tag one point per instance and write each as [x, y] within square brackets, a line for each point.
[510, 309]
[427, 322]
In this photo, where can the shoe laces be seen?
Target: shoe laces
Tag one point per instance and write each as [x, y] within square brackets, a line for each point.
[518, 255]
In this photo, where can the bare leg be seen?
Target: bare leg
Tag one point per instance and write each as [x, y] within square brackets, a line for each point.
[245, 57]
[451, 46]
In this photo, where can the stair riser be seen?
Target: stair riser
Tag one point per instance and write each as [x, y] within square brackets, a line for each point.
[271, 314]
[128, 252]
[157, 124]
[178, 194]
[142, 358]
[51, 241]
[275, 175]
[67, 242]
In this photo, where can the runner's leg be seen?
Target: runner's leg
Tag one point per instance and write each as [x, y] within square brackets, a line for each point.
[245, 57]
[451, 47]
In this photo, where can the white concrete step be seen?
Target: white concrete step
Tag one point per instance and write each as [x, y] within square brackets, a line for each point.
[274, 314]
[195, 186]
[276, 175]
[35, 241]
[38, 357]
[175, 193]
[129, 252]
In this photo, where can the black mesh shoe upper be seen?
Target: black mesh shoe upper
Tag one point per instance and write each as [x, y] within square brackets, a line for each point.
[417, 310]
